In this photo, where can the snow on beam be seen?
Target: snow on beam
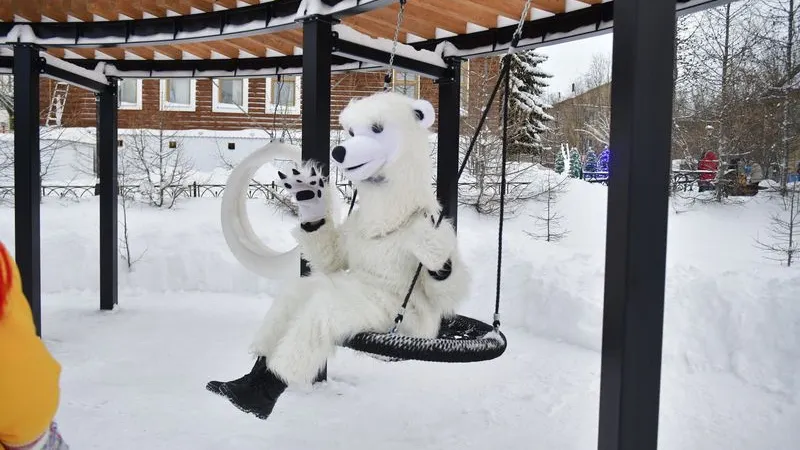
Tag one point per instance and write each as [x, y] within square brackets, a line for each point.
[263, 18]
[545, 30]
[355, 45]
[216, 68]
[73, 74]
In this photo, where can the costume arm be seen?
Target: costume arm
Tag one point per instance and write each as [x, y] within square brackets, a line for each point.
[432, 246]
[29, 384]
[320, 243]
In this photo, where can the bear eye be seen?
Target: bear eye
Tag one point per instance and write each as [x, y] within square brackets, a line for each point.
[377, 128]
[351, 132]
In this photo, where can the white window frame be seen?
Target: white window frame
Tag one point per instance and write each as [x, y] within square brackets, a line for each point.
[216, 106]
[166, 105]
[394, 82]
[270, 106]
[464, 88]
[138, 104]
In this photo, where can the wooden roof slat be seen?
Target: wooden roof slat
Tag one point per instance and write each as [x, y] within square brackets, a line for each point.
[166, 50]
[477, 16]
[223, 48]
[445, 18]
[142, 52]
[252, 46]
[114, 52]
[387, 18]
[196, 50]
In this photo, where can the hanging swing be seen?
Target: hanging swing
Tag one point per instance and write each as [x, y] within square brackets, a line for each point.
[461, 339]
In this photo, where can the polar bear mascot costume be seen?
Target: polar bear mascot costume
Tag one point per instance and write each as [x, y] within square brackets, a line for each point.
[362, 268]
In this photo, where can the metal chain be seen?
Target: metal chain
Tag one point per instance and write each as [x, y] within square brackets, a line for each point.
[518, 32]
[387, 79]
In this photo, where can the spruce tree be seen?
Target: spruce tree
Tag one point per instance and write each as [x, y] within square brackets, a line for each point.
[560, 163]
[574, 163]
[604, 161]
[591, 162]
[527, 116]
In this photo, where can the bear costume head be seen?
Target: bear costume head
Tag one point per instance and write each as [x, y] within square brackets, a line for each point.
[387, 157]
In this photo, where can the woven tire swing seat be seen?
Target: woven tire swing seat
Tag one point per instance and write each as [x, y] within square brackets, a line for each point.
[461, 339]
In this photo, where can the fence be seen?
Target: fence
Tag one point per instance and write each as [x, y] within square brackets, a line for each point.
[268, 191]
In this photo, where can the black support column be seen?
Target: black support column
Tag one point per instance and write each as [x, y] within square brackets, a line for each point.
[641, 99]
[107, 146]
[448, 140]
[27, 181]
[316, 102]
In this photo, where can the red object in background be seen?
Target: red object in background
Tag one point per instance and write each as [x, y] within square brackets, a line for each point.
[708, 162]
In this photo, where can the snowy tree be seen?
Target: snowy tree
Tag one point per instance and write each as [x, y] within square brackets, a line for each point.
[591, 161]
[561, 160]
[526, 103]
[784, 229]
[574, 163]
[548, 222]
[604, 161]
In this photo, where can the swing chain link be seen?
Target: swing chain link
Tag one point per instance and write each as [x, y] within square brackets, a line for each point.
[387, 79]
[518, 32]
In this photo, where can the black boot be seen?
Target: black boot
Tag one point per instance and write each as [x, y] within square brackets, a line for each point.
[259, 366]
[257, 395]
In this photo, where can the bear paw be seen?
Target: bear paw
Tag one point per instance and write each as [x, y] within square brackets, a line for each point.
[306, 185]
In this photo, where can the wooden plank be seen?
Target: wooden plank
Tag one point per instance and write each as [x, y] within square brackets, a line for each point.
[386, 18]
[142, 52]
[199, 51]
[167, 50]
[114, 52]
[477, 16]
[224, 48]
[444, 18]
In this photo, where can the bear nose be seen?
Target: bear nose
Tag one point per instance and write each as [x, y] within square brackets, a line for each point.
[338, 153]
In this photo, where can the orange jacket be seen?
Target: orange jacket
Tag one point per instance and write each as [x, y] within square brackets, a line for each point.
[29, 376]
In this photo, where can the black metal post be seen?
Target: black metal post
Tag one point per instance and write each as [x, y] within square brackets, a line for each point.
[636, 239]
[448, 140]
[107, 146]
[27, 176]
[316, 103]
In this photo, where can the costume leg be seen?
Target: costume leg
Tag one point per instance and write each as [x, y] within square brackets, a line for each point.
[282, 312]
[333, 314]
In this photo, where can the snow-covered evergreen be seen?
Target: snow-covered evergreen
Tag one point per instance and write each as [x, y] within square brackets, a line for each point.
[591, 161]
[527, 107]
[575, 163]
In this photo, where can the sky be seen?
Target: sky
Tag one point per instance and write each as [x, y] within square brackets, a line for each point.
[569, 60]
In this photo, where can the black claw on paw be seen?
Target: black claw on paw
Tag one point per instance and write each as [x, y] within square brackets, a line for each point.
[313, 183]
[319, 194]
[321, 183]
[443, 273]
[313, 172]
[281, 175]
[295, 172]
[305, 195]
[287, 185]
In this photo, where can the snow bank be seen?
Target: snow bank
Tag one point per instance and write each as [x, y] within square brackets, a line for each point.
[728, 309]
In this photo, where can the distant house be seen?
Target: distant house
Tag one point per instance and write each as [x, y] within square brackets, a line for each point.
[226, 104]
[577, 113]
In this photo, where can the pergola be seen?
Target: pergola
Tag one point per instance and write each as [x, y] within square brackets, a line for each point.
[93, 43]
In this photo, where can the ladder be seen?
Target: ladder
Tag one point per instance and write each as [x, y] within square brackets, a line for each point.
[57, 102]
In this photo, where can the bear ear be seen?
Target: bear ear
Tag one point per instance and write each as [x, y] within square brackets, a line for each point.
[424, 113]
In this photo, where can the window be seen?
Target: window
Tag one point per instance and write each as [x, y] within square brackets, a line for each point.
[465, 88]
[406, 83]
[229, 95]
[129, 94]
[283, 95]
[178, 94]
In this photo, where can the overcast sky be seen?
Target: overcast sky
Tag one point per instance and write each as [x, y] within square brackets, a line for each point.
[567, 61]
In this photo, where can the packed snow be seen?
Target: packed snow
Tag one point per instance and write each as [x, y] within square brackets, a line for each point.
[134, 378]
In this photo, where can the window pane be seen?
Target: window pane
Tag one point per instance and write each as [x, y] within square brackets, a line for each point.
[283, 92]
[404, 77]
[127, 91]
[179, 91]
[231, 92]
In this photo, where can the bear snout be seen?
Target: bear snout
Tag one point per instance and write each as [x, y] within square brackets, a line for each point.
[338, 153]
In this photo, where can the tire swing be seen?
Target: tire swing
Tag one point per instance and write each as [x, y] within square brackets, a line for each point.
[461, 339]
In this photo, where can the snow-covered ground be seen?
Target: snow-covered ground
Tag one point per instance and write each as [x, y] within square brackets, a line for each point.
[134, 378]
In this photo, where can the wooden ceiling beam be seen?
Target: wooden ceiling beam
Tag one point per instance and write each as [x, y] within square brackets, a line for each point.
[57, 52]
[87, 53]
[446, 19]
[387, 19]
[114, 52]
[224, 48]
[477, 16]
[28, 10]
[250, 45]
[195, 49]
[168, 51]
[553, 6]
[370, 27]
[150, 7]
[142, 52]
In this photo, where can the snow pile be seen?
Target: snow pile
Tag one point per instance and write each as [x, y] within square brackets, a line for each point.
[731, 351]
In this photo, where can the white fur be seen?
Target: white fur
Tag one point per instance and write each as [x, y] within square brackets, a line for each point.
[362, 268]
